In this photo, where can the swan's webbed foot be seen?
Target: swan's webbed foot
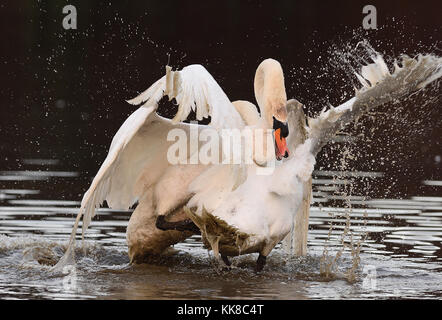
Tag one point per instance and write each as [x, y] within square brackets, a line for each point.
[260, 263]
[183, 225]
[226, 260]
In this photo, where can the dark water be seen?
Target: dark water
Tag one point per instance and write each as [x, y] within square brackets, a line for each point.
[62, 99]
[401, 249]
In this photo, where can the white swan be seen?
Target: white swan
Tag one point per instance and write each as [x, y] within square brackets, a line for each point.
[257, 215]
[242, 212]
[136, 168]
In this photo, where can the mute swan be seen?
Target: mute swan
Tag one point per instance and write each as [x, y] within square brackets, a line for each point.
[256, 216]
[136, 167]
[248, 212]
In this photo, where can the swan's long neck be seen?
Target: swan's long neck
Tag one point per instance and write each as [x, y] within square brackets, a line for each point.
[270, 91]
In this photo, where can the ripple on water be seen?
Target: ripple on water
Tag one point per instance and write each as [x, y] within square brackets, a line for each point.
[402, 248]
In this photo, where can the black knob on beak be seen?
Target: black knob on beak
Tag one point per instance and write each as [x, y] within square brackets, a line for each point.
[281, 125]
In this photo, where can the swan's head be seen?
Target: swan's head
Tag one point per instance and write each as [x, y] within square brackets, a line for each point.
[280, 125]
[281, 133]
[272, 100]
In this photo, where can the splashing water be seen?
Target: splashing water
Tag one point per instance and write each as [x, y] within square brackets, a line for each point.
[26, 261]
[370, 70]
[379, 86]
[349, 239]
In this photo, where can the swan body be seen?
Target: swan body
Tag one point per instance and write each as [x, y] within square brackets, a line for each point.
[236, 209]
[258, 211]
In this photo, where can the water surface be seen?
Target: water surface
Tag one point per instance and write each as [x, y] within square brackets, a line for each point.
[400, 248]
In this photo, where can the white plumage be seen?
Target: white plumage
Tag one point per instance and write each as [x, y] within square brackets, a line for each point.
[259, 209]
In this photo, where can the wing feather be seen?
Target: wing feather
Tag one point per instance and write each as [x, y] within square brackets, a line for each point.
[195, 89]
[131, 149]
[141, 142]
[101, 184]
[383, 87]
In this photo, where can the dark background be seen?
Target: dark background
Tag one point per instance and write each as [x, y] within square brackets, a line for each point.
[63, 92]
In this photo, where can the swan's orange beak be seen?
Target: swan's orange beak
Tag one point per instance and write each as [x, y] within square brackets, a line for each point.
[281, 132]
[281, 149]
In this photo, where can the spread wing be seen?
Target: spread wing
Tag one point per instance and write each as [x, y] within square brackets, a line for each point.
[141, 142]
[194, 89]
[140, 145]
[379, 86]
